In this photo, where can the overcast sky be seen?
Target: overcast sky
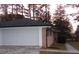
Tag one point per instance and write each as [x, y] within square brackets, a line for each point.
[41, 1]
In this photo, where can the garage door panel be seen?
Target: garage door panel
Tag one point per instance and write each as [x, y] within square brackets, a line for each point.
[21, 36]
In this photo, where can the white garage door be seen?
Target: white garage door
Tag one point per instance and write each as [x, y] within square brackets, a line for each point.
[21, 36]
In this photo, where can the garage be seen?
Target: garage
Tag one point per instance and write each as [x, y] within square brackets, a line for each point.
[21, 33]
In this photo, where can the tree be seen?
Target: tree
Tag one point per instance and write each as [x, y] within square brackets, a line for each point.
[4, 8]
[40, 11]
[64, 29]
[16, 11]
[60, 10]
[62, 25]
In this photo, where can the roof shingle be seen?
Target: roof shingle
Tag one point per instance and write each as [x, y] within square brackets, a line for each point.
[25, 22]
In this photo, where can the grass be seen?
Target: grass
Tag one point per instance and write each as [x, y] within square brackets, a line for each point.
[75, 44]
[57, 46]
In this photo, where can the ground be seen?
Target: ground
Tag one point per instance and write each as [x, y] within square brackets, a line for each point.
[58, 46]
[69, 50]
[36, 50]
[19, 50]
[75, 44]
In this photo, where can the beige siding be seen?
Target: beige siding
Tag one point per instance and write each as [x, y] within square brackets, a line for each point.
[50, 38]
[44, 37]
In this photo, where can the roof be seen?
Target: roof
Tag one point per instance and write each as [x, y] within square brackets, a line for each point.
[25, 22]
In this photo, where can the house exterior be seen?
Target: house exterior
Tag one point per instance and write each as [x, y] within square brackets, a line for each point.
[25, 32]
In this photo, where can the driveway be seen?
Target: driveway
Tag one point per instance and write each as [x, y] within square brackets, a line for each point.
[19, 50]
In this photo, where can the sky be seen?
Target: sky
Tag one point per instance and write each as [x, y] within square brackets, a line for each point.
[52, 7]
[41, 1]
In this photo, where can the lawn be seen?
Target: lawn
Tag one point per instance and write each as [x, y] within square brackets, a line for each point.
[57, 46]
[75, 45]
